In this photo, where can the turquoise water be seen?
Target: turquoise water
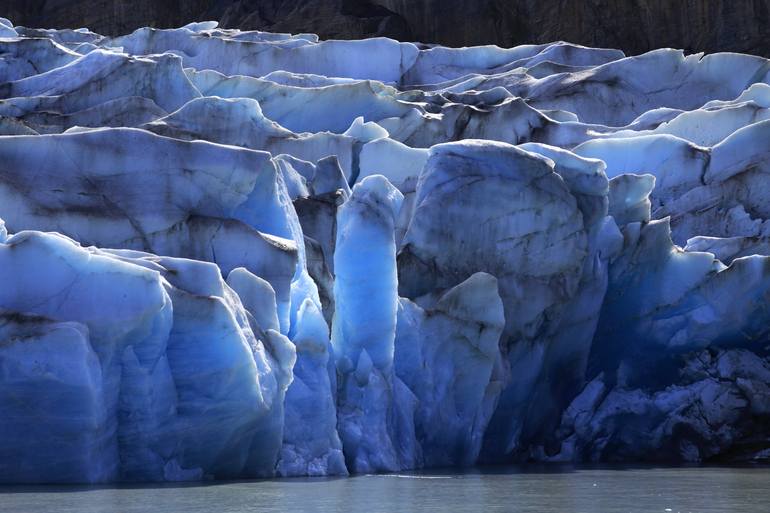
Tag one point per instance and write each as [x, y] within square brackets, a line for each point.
[536, 490]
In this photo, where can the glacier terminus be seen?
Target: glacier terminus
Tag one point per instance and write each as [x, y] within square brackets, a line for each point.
[232, 254]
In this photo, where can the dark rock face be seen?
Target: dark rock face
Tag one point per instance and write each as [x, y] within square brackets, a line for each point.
[634, 26]
[339, 19]
[112, 16]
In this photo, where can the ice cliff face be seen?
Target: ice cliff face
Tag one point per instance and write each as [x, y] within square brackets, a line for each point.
[238, 254]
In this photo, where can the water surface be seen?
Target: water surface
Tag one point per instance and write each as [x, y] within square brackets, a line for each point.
[514, 490]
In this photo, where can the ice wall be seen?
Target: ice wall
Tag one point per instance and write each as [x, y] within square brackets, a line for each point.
[242, 254]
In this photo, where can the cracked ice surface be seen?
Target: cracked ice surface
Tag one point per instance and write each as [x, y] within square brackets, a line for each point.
[231, 254]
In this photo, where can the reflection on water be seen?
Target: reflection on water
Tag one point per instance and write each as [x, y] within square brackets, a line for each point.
[514, 490]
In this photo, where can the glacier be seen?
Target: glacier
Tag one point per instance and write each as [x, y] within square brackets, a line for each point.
[234, 254]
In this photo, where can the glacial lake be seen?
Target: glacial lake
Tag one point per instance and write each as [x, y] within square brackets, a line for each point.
[511, 490]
